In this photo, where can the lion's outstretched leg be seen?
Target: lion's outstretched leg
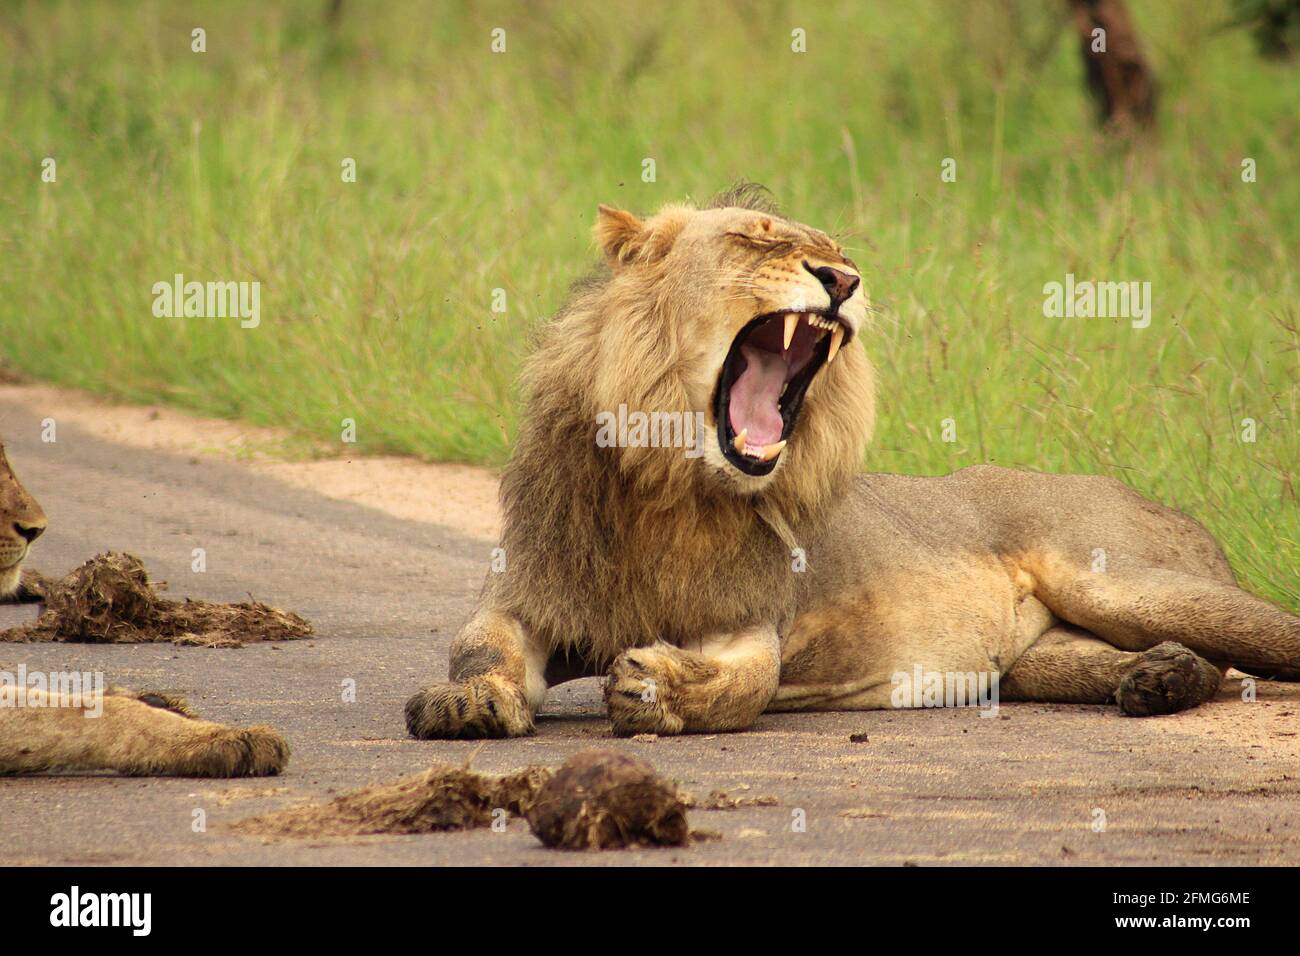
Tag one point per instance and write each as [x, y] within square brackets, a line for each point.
[497, 682]
[725, 685]
[1069, 665]
[1136, 609]
[137, 734]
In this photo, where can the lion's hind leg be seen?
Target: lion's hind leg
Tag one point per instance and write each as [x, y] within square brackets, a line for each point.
[133, 733]
[1137, 608]
[1069, 665]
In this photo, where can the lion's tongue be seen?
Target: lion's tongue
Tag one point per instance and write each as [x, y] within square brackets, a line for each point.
[756, 396]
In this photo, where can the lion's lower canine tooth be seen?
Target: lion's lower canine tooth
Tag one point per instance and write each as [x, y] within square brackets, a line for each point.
[771, 451]
[738, 442]
[836, 338]
[791, 323]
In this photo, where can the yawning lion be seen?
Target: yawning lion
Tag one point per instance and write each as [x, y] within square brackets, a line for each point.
[766, 572]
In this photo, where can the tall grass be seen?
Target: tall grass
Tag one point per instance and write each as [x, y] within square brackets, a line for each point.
[480, 171]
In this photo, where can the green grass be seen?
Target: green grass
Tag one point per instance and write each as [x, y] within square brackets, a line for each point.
[480, 171]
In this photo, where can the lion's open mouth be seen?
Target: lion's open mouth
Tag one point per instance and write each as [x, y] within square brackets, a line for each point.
[764, 378]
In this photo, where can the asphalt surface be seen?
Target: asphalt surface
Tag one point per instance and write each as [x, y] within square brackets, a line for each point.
[1036, 784]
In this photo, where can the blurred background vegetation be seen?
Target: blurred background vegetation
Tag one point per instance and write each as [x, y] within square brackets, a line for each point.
[479, 170]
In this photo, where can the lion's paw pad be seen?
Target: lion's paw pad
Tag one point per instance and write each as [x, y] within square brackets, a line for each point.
[1167, 678]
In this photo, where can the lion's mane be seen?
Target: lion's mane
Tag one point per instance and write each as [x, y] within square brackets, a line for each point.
[611, 548]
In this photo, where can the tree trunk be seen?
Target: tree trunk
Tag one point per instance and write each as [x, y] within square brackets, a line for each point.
[1117, 74]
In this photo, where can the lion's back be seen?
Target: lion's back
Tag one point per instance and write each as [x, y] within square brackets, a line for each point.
[990, 509]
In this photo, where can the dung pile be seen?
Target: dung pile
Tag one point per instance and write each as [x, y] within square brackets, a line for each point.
[109, 600]
[603, 799]
[596, 800]
[443, 797]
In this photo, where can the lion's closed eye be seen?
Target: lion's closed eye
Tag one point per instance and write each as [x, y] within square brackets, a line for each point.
[765, 242]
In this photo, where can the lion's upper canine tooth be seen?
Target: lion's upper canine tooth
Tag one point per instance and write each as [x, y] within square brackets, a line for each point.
[771, 451]
[837, 337]
[791, 323]
[738, 442]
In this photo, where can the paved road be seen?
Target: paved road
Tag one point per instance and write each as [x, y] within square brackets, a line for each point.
[1028, 786]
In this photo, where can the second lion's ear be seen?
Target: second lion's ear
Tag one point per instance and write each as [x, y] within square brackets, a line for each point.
[619, 234]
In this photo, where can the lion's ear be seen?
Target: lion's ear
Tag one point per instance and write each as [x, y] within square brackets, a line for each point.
[619, 234]
[624, 238]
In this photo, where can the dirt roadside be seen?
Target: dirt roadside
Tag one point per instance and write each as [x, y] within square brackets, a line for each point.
[463, 497]
[387, 589]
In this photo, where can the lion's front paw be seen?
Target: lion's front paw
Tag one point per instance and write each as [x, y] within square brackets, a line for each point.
[261, 752]
[483, 706]
[642, 691]
[1167, 678]
[226, 752]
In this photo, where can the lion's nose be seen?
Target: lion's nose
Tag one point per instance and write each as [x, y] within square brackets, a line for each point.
[31, 531]
[839, 285]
